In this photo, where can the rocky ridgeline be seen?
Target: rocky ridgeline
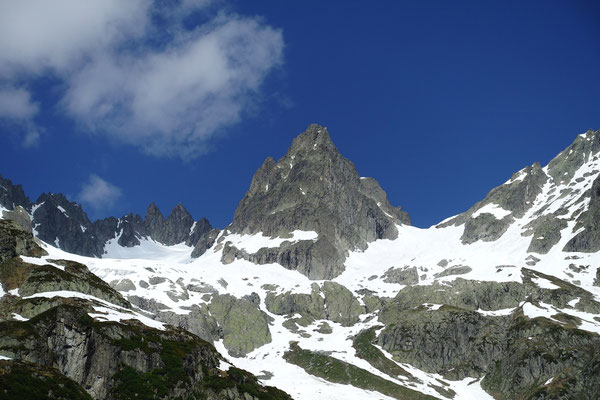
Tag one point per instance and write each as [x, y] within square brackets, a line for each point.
[65, 224]
[62, 346]
[530, 336]
[532, 192]
[313, 188]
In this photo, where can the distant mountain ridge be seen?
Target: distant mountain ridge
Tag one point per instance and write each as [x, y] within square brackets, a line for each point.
[63, 223]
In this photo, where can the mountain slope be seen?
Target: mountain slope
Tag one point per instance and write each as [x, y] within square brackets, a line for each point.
[501, 301]
[69, 333]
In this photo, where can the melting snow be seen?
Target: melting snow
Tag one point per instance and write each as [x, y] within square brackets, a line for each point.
[63, 211]
[494, 209]
[544, 283]
[255, 242]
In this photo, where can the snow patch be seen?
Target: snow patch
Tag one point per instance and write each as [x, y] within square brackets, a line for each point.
[18, 317]
[544, 283]
[62, 210]
[494, 209]
[255, 242]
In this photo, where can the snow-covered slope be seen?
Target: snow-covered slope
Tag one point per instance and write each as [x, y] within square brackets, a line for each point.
[451, 307]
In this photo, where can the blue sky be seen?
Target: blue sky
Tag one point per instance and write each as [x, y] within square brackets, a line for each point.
[117, 104]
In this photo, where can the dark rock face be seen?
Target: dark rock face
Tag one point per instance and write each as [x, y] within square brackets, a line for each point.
[154, 221]
[64, 224]
[201, 227]
[103, 230]
[314, 188]
[546, 233]
[176, 228]
[205, 242]
[12, 195]
[132, 230]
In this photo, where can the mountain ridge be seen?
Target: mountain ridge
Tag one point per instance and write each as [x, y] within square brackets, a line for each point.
[501, 301]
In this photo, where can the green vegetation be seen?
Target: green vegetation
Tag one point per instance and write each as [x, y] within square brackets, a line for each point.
[336, 371]
[25, 381]
[133, 385]
[245, 382]
[365, 350]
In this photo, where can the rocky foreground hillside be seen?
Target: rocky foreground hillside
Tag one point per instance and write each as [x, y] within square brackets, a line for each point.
[66, 334]
[321, 288]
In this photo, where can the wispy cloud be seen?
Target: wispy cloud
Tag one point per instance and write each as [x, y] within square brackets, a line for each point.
[133, 71]
[98, 193]
[18, 111]
[16, 103]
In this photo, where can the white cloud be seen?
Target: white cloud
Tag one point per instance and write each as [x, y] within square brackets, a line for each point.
[168, 99]
[16, 104]
[32, 137]
[40, 34]
[17, 111]
[98, 193]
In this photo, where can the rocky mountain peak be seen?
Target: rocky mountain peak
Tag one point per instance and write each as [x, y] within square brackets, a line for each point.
[12, 196]
[314, 138]
[153, 213]
[63, 223]
[314, 188]
[174, 229]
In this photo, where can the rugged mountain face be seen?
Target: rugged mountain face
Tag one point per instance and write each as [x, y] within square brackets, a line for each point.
[64, 224]
[176, 228]
[313, 188]
[543, 202]
[501, 301]
[12, 196]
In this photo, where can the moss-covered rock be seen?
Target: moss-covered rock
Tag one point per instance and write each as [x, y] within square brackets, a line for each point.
[337, 371]
[546, 233]
[16, 241]
[32, 278]
[485, 227]
[404, 276]
[124, 360]
[245, 327]
[21, 380]
[332, 301]
[543, 360]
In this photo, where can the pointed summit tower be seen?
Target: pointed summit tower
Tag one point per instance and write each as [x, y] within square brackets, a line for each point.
[312, 189]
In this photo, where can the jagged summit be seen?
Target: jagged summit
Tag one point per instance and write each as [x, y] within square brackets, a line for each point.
[172, 230]
[64, 224]
[477, 307]
[314, 138]
[12, 196]
[313, 188]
